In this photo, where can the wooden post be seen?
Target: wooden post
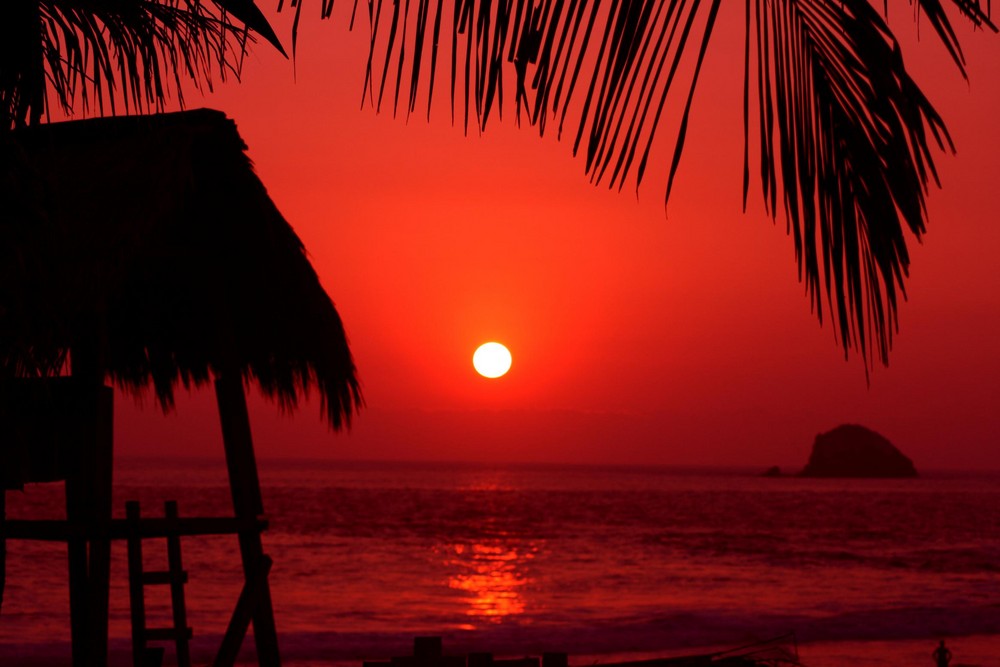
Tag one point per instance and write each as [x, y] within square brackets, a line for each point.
[88, 504]
[427, 649]
[88, 497]
[78, 510]
[244, 485]
[99, 572]
[3, 543]
[242, 615]
[136, 594]
[79, 626]
[177, 579]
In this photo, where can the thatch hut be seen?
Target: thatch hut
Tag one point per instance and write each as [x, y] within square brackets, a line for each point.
[152, 236]
[145, 252]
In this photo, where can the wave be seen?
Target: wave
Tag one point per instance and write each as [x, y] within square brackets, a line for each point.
[668, 633]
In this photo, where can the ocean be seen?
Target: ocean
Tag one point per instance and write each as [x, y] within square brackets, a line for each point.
[604, 563]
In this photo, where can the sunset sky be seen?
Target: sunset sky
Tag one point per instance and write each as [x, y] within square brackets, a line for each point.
[638, 334]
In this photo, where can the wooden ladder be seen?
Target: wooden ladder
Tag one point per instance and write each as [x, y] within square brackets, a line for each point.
[175, 577]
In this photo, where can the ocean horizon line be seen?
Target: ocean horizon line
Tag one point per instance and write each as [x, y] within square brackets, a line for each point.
[714, 469]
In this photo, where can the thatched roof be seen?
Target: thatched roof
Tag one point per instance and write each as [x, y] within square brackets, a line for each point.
[153, 236]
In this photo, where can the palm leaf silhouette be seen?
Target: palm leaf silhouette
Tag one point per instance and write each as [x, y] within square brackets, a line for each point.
[846, 138]
[102, 52]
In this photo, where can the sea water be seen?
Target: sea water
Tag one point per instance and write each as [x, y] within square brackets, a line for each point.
[599, 562]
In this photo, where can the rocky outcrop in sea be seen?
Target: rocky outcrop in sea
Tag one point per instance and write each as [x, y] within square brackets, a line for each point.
[851, 450]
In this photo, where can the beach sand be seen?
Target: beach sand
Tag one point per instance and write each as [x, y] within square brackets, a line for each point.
[970, 651]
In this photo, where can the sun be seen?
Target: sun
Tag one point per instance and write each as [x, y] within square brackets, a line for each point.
[491, 360]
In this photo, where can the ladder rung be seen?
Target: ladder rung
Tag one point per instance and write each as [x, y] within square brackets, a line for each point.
[164, 577]
[168, 634]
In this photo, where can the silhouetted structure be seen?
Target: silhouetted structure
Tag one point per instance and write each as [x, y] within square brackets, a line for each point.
[427, 652]
[144, 251]
[846, 157]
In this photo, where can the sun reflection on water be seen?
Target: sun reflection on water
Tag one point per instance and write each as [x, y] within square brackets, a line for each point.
[493, 575]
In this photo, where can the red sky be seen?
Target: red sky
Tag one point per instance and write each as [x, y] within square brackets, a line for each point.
[638, 335]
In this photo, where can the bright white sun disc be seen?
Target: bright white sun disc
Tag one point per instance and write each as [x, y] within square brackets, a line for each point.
[491, 360]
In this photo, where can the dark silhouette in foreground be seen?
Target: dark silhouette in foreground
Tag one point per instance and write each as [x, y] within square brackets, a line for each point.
[3, 544]
[776, 652]
[845, 139]
[144, 252]
[941, 655]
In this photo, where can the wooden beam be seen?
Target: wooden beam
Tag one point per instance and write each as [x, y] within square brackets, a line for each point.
[241, 463]
[244, 485]
[99, 565]
[57, 530]
[136, 594]
[88, 505]
[250, 597]
[3, 544]
[176, 568]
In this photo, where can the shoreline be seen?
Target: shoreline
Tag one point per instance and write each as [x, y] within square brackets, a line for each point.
[969, 651]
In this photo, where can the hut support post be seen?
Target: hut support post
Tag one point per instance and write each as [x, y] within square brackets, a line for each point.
[248, 505]
[78, 587]
[3, 544]
[88, 504]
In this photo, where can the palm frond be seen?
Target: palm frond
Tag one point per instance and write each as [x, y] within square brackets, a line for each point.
[850, 146]
[117, 55]
[846, 136]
